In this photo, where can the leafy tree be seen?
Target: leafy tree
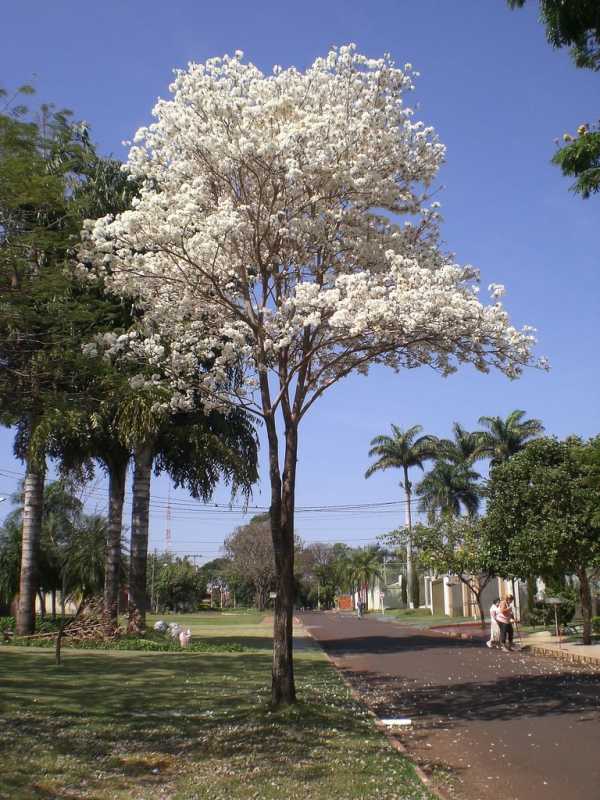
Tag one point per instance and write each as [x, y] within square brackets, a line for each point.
[543, 516]
[46, 313]
[448, 489]
[178, 584]
[576, 24]
[404, 450]
[502, 438]
[250, 551]
[460, 547]
[10, 558]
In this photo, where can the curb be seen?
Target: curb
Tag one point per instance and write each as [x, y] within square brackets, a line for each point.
[562, 655]
[393, 740]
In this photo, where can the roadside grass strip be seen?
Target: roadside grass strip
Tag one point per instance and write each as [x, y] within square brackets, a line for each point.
[187, 726]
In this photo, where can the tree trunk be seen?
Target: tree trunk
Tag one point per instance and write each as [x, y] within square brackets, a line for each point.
[53, 599]
[42, 598]
[33, 504]
[586, 604]
[283, 690]
[116, 495]
[139, 538]
[410, 579]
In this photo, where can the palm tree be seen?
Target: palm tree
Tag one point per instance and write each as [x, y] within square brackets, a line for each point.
[403, 450]
[364, 567]
[197, 450]
[505, 437]
[464, 449]
[448, 489]
[84, 558]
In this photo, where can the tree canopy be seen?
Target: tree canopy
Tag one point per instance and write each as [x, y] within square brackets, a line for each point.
[543, 517]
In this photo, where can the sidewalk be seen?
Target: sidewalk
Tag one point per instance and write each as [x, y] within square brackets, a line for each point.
[544, 644]
[539, 644]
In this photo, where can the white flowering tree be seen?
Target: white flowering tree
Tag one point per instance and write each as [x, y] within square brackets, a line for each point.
[283, 229]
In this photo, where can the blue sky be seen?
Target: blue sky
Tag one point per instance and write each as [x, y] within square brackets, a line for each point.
[496, 93]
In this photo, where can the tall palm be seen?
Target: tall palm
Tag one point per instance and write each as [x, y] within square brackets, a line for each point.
[365, 566]
[505, 437]
[464, 449]
[448, 489]
[197, 450]
[404, 450]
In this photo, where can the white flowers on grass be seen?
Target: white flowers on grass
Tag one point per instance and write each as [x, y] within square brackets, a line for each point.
[284, 228]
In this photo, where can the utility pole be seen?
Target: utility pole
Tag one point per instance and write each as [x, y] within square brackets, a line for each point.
[168, 528]
[152, 599]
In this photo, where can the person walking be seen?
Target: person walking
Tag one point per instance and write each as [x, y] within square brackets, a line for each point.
[504, 618]
[494, 640]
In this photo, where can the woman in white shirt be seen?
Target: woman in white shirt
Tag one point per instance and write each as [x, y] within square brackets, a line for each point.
[494, 640]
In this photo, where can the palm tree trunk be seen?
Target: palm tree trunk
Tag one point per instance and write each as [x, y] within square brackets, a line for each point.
[116, 496]
[410, 587]
[33, 504]
[139, 538]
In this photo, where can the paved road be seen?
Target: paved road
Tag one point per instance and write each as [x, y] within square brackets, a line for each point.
[504, 725]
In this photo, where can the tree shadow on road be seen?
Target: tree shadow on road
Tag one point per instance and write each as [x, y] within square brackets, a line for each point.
[505, 698]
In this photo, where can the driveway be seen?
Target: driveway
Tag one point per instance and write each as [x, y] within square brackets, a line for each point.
[491, 724]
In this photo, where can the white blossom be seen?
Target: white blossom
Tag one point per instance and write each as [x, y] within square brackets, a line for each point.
[283, 228]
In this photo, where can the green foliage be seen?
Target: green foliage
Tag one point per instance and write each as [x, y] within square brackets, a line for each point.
[574, 24]
[7, 624]
[502, 438]
[543, 509]
[177, 584]
[596, 624]
[150, 645]
[464, 449]
[580, 158]
[447, 489]
[542, 615]
[72, 546]
[403, 450]
[457, 546]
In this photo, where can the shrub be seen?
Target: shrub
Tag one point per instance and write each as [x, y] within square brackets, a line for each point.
[134, 643]
[7, 624]
[596, 624]
[542, 614]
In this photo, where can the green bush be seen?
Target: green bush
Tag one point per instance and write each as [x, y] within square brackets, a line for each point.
[542, 615]
[133, 643]
[7, 624]
[596, 624]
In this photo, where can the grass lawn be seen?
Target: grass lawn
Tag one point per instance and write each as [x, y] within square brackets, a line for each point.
[249, 628]
[422, 619]
[186, 726]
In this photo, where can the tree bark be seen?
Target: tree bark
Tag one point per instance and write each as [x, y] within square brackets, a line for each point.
[586, 604]
[42, 598]
[410, 580]
[33, 505]
[139, 538]
[116, 495]
[283, 690]
[53, 599]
